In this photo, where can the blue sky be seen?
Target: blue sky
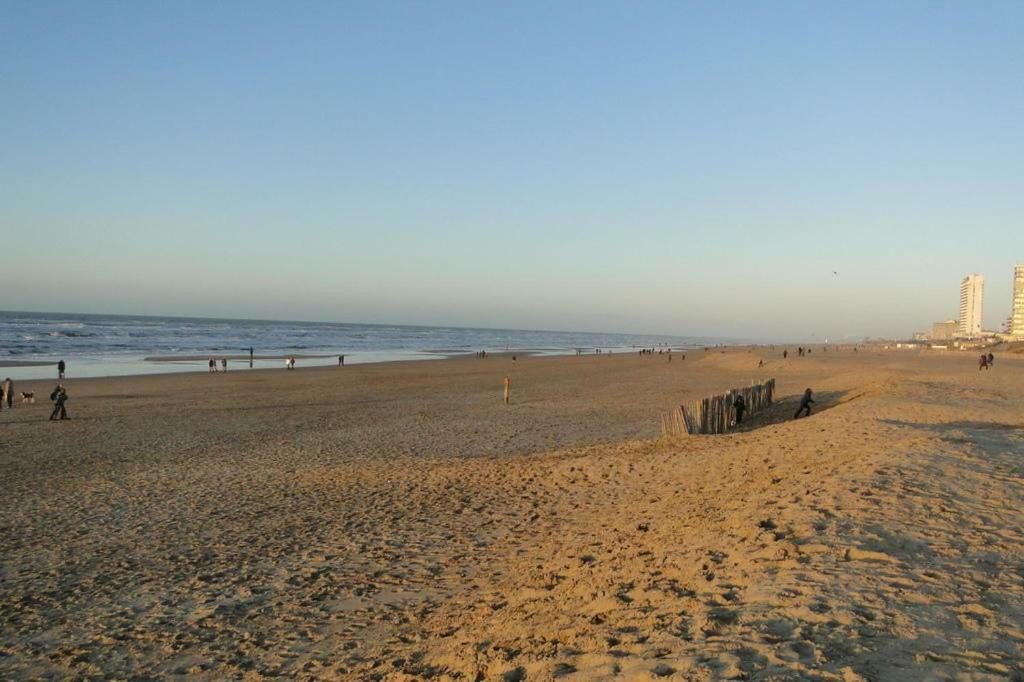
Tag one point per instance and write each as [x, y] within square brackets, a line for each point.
[689, 168]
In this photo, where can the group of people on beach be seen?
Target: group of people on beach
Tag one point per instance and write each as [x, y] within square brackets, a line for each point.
[985, 361]
[289, 362]
[801, 351]
[58, 396]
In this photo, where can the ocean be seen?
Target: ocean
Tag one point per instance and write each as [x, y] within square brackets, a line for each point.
[111, 345]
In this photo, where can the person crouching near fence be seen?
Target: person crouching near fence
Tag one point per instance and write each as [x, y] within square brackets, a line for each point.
[805, 404]
[740, 405]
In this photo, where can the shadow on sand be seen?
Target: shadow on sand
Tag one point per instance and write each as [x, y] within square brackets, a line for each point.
[993, 438]
[784, 409]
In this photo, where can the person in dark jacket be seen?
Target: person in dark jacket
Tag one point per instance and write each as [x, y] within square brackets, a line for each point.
[740, 405]
[59, 397]
[982, 362]
[805, 404]
[60, 369]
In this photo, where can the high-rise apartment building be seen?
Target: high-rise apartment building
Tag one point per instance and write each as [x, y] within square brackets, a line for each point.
[972, 293]
[1017, 311]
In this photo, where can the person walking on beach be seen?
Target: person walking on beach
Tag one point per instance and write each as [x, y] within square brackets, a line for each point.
[983, 362]
[785, 354]
[59, 396]
[740, 405]
[508, 389]
[8, 393]
[224, 364]
[60, 369]
[212, 365]
[341, 361]
[991, 359]
[250, 356]
[805, 404]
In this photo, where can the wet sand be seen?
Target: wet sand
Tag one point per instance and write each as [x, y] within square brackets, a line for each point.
[397, 521]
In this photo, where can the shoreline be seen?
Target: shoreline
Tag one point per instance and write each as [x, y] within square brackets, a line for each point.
[159, 365]
[184, 364]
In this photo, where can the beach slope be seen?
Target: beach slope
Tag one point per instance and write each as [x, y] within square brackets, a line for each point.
[398, 521]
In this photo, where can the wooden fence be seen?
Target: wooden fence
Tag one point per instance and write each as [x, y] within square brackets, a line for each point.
[715, 414]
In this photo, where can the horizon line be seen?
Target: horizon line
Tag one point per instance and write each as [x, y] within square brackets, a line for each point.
[363, 324]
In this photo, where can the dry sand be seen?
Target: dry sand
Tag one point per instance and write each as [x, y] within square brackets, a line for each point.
[399, 522]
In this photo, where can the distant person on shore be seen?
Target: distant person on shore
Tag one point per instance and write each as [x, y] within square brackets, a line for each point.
[760, 363]
[991, 359]
[224, 364]
[60, 369]
[983, 362]
[740, 405]
[251, 351]
[805, 404]
[508, 389]
[8, 393]
[212, 365]
[341, 361]
[785, 354]
[59, 396]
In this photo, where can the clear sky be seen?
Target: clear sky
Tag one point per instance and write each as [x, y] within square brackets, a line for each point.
[689, 168]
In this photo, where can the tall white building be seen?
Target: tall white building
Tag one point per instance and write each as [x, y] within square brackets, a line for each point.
[972, 293]
[1017, 312]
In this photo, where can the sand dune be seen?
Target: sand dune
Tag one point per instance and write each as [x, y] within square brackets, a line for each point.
[399, 522]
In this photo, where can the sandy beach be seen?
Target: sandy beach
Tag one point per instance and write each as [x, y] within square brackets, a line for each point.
[398, 522]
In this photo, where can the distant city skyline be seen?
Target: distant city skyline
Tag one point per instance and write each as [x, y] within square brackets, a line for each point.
[774, 172]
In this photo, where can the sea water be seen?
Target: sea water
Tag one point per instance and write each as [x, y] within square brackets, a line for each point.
[110, 345]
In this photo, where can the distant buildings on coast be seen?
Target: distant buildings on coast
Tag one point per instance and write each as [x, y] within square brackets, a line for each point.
[972, 298]
[967, 329]
[1017, 312]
